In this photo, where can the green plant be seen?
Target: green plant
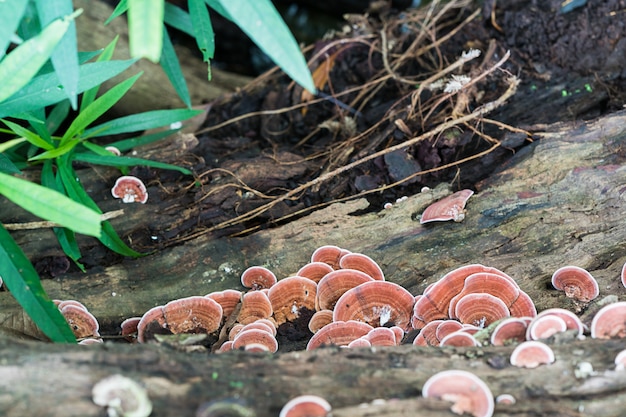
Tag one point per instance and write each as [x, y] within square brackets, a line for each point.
[259, 19]
[45, 75]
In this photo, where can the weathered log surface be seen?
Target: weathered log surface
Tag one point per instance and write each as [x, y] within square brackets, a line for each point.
[559, 201]
[55, 380]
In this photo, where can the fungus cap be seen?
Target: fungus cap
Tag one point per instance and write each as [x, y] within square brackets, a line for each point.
[338, 333]
[314, 270]
[335, 284]
[488, 283]
[480, 309]
[122, 396]
[81, 321]
[610, 322]
[459, 338]
[577, 283]
[509, 330]
[306, 406]
[451, 207]
[320, 319]
[542, 327]
[290, 295]
[255, 305]
[531, 354]
[255, 337]
[328, 254]
[193, 314]
[363, 263]
[467, 391]
[258, 277]
[378, 303]
[130, 189]
[572, 321]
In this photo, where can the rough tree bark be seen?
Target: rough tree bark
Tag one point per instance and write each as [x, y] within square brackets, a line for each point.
[559, 201]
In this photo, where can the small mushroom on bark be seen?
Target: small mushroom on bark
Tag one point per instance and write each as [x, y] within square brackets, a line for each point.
[468, 393]
[130, 189]
[577, 283]
[122, 396]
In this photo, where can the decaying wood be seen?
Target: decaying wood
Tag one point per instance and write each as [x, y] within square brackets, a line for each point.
[55, 380]
[559, 201]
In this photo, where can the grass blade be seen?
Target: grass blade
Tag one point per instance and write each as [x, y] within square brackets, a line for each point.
[43, 90]
[65, 55]
[142, 121]
[50, 205]
[120, 9]
[171, 67]
[90, 95]
[178, 18]
[30, 136]
[22, 280]
[273, 36]
[202, 29]
[145, 28]
[22, 64]
[98, 108]
[10, 16]
[112, 160]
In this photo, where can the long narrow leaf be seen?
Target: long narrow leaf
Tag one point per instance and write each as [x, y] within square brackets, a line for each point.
[109, 237]
[65, 56]
[142, 121]
[56, 152]
[21, 65]
[10, 16]
[43, 90]
[22, 280]
[50, 205]
[203, 29]
[28, 135]
[128, 144]
[7, 166]
[272, 36]
[171, 67]
[98, 108]
[90, 95]
[145, 28]
[178, 18]
[65, 237]
[112, 160]
[120, 9]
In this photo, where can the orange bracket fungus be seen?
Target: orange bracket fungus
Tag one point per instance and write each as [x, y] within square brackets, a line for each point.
[338, 333]
[130, 189]
[451, 207]
[291, 295]
[577, 283]
[257, 277]
[531, 354]
[362, 263]
[306, 406]
[81, 321]
[467, 391]
[122, 396]
[610, 322]
[542, 327]
[510, 330]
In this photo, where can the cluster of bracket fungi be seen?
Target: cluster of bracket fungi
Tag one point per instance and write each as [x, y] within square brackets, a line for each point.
[351, 305]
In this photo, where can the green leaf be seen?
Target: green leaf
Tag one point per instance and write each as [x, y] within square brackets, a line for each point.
[202, 29]
[56, 152]
[10, 15]
[28, 135]
[145, 28]
[141, 121]
[43, 90]
[22, 280]
[65, 237]
[22, 64]
[90, 95]
[11, 143]
[112, 160]
[6, 165]
[171, 67]
[98, 108]
[65, 56]
[50, 205]
[109, 237]
[120, 9]
[178, 18]
[263, 24]
[127, 144]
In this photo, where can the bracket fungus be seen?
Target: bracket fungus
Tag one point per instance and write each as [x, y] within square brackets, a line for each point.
[328, 254]
[451, 207]
[335, 284]
[531, 354]
[130, 189]
[577, 283]
[467, 391]
[362, 263]
[544, 326]
[81, 321]
[306, 406]
[610, 322]
[377, 303]
[258, 277]
[291, 295]
[338, 333]
[509, 330]
[122, 396]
